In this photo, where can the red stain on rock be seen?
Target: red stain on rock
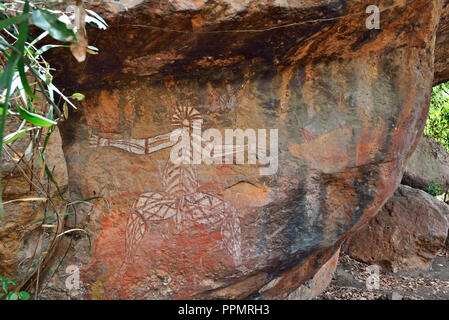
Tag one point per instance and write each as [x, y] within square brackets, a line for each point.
[102, 112]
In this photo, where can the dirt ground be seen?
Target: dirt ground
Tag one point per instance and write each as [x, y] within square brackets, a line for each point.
[349, 282]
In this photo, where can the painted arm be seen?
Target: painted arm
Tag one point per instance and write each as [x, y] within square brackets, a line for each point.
[137, 146]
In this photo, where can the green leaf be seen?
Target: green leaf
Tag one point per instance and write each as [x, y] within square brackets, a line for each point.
[9, 281]
[7, 76]
[35, 118]
[47, 47]
[1, 110]
[14, 20]
[47, 138]
[96, 22]
[96, 19]
[86, 200]
[24, 81]
[3, 44]
[1, 295]
[39, 38]
[15, 135]
[24, 295]
[53, 217]
[65, 110]
[49, 22]
[12, 296]
[78, 96]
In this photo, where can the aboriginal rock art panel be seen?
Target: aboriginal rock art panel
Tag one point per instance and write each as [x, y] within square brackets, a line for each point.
[180, 198]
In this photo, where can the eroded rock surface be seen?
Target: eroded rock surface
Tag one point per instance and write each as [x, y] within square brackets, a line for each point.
[428, 165]
[406, 234]
[320, 281]
[442, 47]
[26, 189]
[349, 105]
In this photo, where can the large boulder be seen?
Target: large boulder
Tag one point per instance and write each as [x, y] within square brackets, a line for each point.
[406, 234]
[349, 104]
[428, 165]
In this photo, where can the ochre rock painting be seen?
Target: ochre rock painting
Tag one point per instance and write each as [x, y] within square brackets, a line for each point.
[349, 105]
[179, 200]
[178, 205]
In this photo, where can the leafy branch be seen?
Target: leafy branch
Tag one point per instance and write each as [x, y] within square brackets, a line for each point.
[11, 295]
[23, 63]
[27, 94]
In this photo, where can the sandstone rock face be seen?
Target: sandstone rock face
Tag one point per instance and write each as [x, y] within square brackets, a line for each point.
[320, 281]
[22, 242]
[348, 103]
[442, 47]
[406, 234]
[428, 164]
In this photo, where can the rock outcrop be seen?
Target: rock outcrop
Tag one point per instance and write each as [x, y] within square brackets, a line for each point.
[442, 47]
[406, 234]
[27, 191]
[320, 281]
[349, 105]
[428, 165]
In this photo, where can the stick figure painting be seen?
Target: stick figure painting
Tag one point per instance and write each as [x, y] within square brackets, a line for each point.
[179, 199]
